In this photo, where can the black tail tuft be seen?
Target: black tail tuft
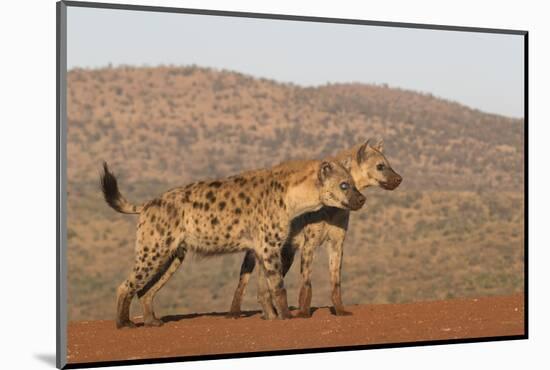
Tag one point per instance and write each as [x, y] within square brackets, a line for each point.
[109, 187]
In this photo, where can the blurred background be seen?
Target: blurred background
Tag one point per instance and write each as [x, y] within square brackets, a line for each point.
[168, 99]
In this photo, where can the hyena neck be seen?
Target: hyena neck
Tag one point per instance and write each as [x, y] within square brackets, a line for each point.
[303, 197]
[361, 179]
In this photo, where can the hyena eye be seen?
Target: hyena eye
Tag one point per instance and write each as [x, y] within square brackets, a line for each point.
[344, 186]
[380, 167]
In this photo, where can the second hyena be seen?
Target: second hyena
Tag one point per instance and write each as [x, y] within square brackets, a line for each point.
[250, 211]
[368, 167]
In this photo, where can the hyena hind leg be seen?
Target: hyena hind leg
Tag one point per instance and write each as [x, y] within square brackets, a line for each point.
[247, 267]
[157, 281]
[125, 293]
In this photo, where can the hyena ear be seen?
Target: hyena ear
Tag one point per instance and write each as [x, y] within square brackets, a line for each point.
[346, 162]
[379, 145]
[325, 170]
[362, 152]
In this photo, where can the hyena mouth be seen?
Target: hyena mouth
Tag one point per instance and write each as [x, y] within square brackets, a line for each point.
[389, 185]
[353, 205]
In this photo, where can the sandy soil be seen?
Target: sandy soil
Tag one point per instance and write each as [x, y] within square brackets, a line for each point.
[212, 333]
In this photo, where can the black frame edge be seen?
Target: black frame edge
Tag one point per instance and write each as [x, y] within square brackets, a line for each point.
[526, 183]
[291, 352]
[61, 70]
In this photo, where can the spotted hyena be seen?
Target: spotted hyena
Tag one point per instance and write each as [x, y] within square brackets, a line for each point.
[368, 167]
[250, 211]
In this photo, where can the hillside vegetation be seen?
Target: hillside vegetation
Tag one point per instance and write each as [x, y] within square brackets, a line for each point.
[453, 228]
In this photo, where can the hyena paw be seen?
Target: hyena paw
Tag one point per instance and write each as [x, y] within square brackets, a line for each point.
[266, 316]
[233, 315]
[304, 314]
[153, 323]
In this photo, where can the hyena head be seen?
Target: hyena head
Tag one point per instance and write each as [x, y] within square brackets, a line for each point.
[375, 168]
[337, 188]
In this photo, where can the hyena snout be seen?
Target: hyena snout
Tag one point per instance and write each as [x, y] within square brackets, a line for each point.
[392, 182]
[356, 200]
[396, 181]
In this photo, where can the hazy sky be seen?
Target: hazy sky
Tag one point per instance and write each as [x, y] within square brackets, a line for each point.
[481, 70]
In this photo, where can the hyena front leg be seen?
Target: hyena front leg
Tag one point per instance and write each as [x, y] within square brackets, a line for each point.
[335, 254]
[264, 297]
[246, 269]
[271, 268]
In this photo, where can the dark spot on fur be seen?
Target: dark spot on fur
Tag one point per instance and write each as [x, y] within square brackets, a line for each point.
[238, 211]
[242, 195]
[155, 202]
[215, 184]
[221, 206]
[215, 221]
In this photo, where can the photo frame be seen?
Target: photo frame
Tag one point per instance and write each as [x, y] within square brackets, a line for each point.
[496, 211]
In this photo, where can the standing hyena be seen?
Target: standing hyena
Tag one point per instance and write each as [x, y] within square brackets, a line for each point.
[251, 211]
[368, 167]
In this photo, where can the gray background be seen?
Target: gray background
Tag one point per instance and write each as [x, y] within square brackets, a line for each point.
[483, 71]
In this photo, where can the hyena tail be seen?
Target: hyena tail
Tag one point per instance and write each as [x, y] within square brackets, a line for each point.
[112, 195]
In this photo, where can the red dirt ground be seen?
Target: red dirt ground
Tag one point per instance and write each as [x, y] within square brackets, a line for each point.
[201, 334]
